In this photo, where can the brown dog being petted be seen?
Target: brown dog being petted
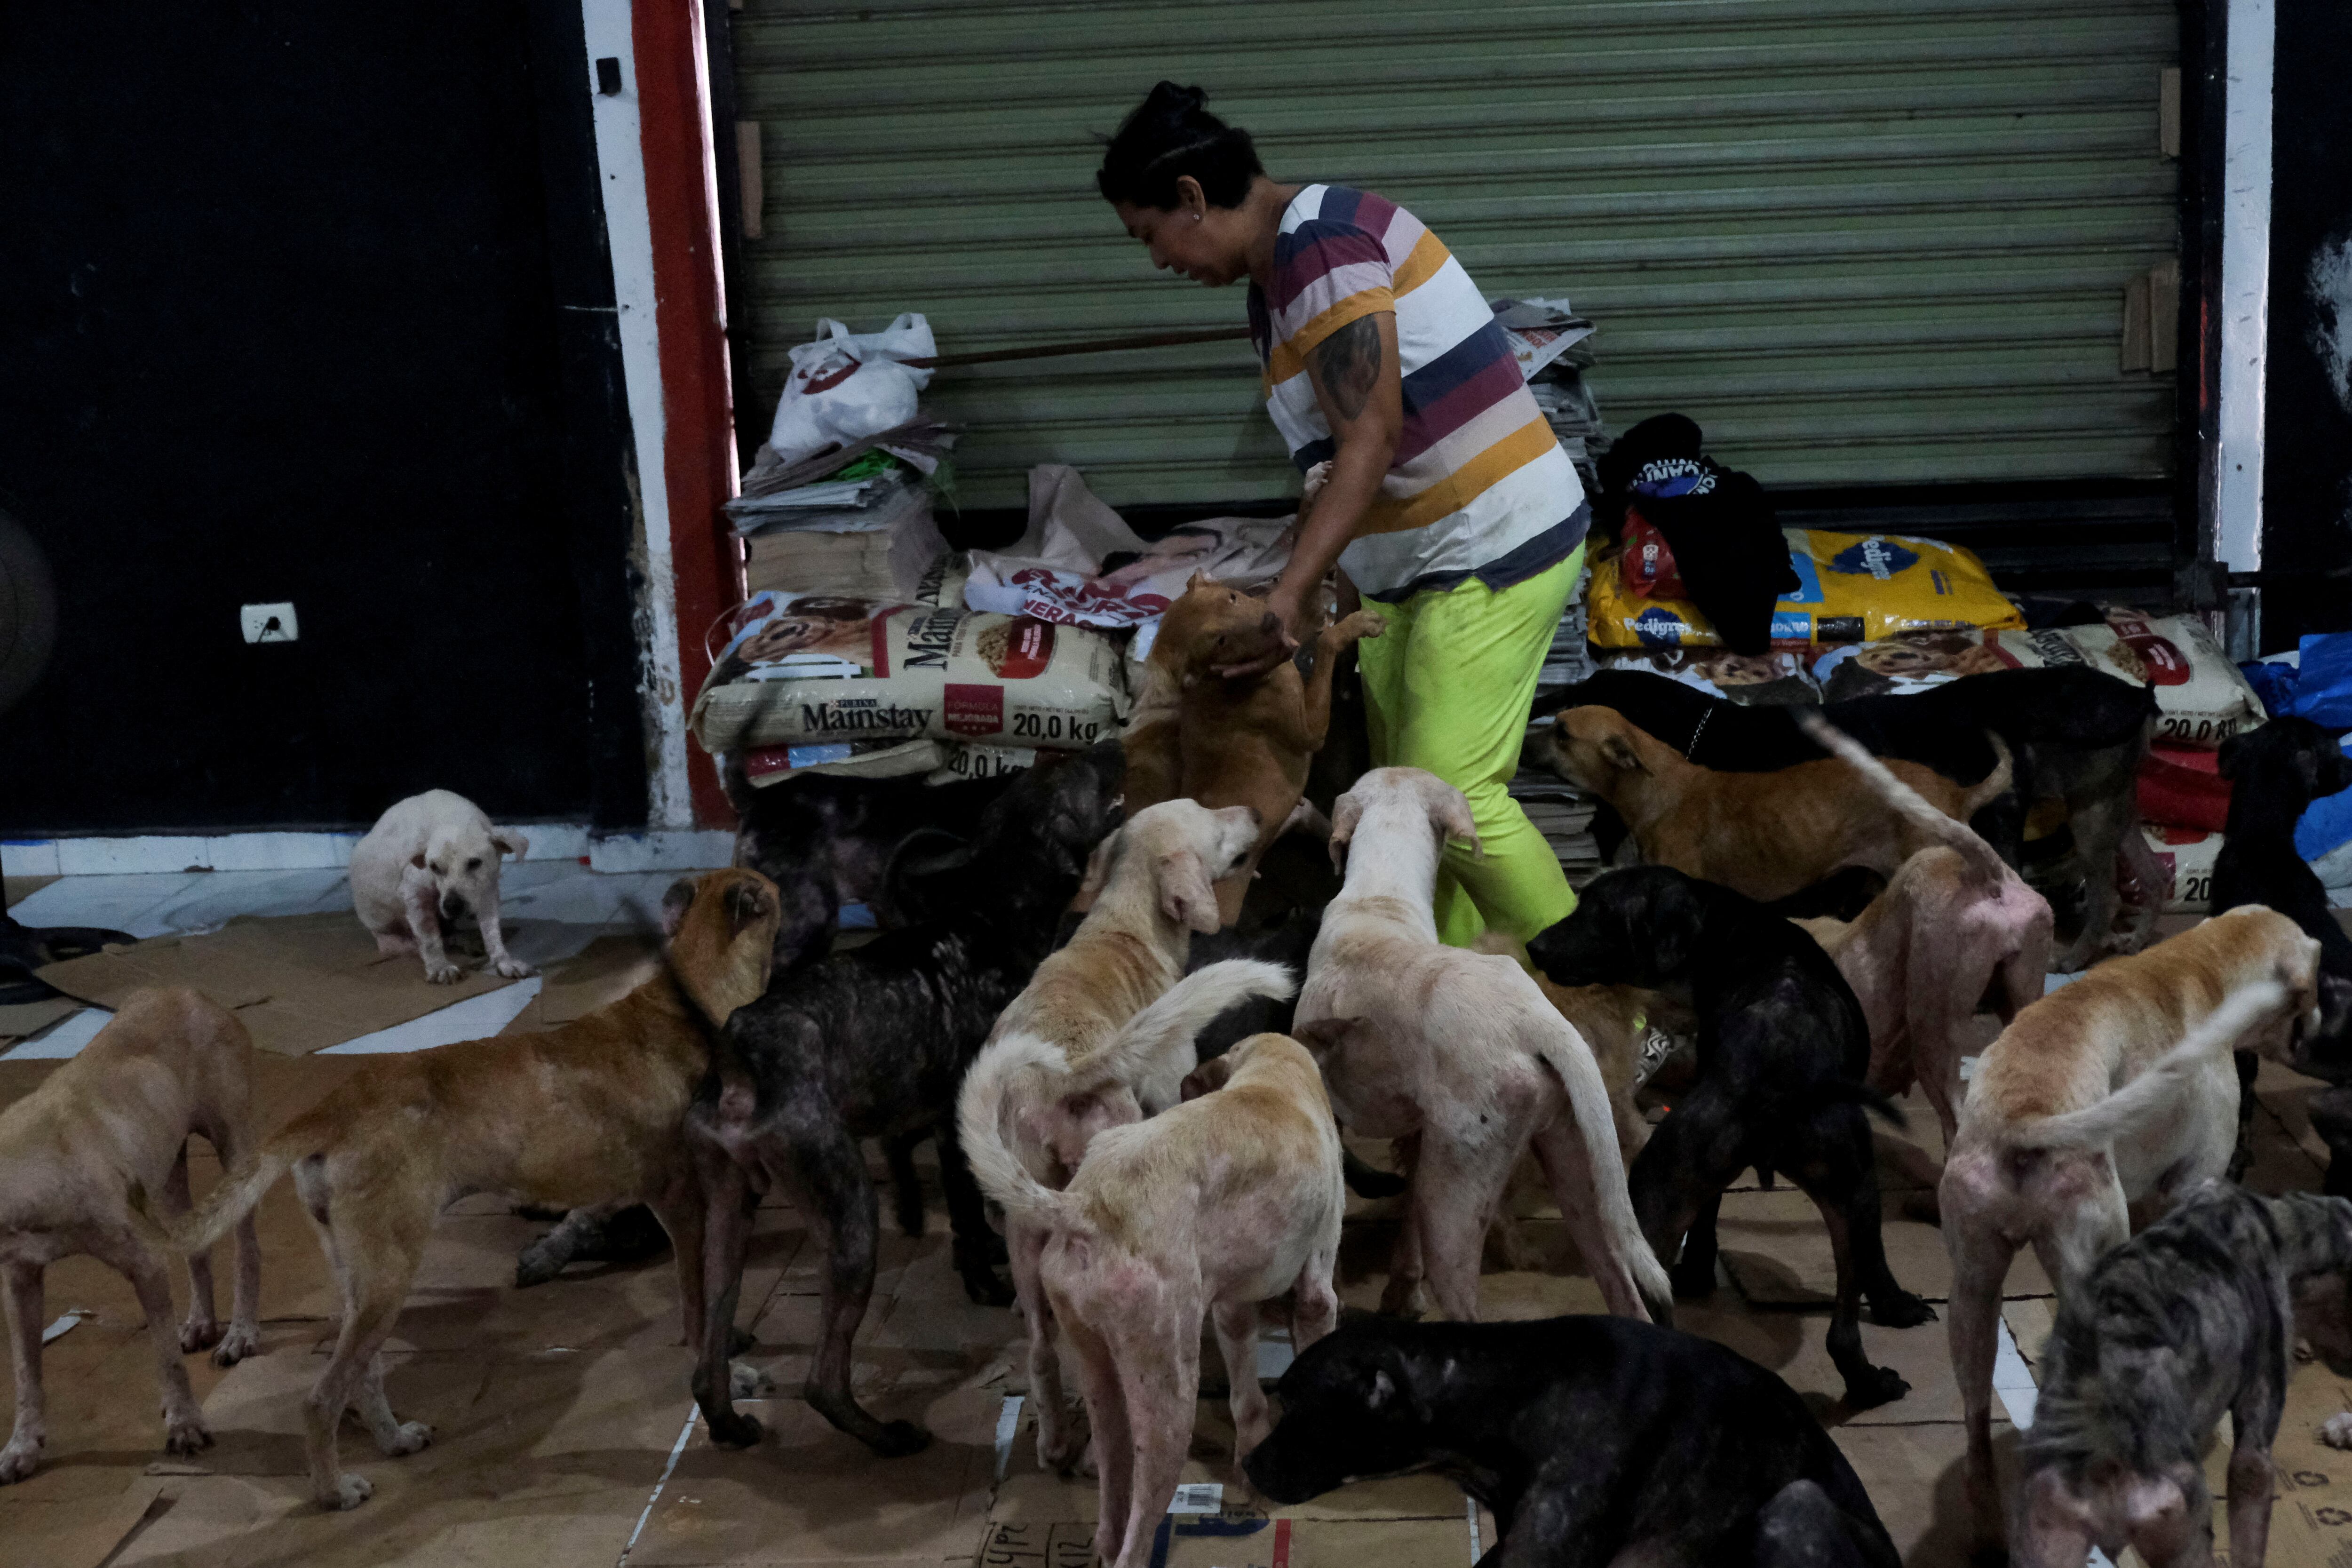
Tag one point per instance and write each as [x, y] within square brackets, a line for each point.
[118, 1114]
[592, 1112]
[1234, 742]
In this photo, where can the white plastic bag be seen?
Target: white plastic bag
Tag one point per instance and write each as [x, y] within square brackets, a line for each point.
[847, 385]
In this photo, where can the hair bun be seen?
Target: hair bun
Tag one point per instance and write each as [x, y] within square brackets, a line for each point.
[1169, 98]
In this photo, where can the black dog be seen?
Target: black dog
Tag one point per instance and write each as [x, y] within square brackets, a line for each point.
[2275, 772]
[874, 1044]
[1588, 1436]
[2073, 734]
[1782, 1047]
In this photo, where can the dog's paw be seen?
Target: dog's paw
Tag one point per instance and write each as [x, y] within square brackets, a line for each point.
[538, 1263]
[1693, 1282]
[748, 1381]
[185, 1434]
[983, 1285]
[740, 1339]
[408, 1437]
[19, 1459]
[900, 1439]
[2336, 1432]
[1881, 1385]
[735, 1430]
[1901, 1310]
[198, 1334]
[442, 974]
[515, 969]
[241, 1341]
[350, 1492]
[1363, 624]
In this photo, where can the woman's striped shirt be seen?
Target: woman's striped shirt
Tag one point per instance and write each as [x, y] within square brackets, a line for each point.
[1479, 485]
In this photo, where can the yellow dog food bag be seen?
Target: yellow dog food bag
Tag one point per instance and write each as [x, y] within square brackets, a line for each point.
[1852, 587]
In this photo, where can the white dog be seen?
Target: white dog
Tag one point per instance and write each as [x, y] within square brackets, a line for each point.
[1460, 1052]
[426, 863]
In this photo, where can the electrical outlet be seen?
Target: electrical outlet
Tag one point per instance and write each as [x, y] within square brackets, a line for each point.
[268, 623]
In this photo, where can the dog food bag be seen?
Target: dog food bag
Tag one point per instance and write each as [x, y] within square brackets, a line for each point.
[2201, 698]
[960, 762]
[765, 766]
[802, 667]
[2188, 853]
[2181, 786]
[1852, 587]
[1756, 679]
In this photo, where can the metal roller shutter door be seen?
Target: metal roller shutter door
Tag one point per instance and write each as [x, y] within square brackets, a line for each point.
[1862, 241]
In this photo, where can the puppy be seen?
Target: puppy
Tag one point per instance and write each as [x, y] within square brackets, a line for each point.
[2079, 1122]
[1594, 1440]
[2196, 1315]
[871, 1043]
[119, 1113]
[1954, 928]
[1767, 836]
[2073, 735]
[1460, 1053]
[1781, 1050]
[1103, 1036]
[1238, 742]
[578, 1115]
[2278, 770]
[428, 862]
[1214, 1205]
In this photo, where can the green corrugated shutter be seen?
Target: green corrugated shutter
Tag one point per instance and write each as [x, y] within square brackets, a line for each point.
[1862, 241]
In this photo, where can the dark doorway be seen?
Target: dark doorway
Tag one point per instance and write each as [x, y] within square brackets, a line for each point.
[311, 304]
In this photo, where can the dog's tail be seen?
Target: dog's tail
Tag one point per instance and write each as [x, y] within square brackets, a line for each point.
[231, 1199]
[1979, 856]
[1153, 1050]
[979, 1126]
[1563, 1050]
[2095, 1126]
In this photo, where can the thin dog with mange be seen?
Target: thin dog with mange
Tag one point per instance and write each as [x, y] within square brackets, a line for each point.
[1235, 741]
[1103, 1036]
[1211, 1206]
[1460, 1054]
[1768, 836]
[1954, 928]
[2079, 1123]
[1594, 1440]
[116, 1116]
[587, 1113]
[428, 862]
[1782, 1047]
[871, 1044]
[2195, 1317]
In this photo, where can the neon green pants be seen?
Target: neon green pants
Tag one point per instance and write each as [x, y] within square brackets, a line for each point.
[1447, 688]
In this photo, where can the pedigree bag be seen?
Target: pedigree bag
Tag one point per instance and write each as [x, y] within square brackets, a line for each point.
[1852, 587]
[803, 668]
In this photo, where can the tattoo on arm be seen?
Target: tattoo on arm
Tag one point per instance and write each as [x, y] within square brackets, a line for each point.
[1349, 364]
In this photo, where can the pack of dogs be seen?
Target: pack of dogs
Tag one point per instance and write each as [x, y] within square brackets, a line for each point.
[1139, 1095]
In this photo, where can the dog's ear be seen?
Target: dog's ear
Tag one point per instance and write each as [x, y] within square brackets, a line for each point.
[1325, 1036]
[675, 903]
[509, 843]
[1389, 1393]
[2306, 768]
[1450, 812]
[1185, 894]
[2232, 754]
[1090, 885]
[1345, 812]
[1199, 579]
[1617, 750]
[749, 903]
[1208, 1077]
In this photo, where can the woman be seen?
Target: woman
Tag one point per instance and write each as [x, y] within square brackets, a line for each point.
[1449, 503]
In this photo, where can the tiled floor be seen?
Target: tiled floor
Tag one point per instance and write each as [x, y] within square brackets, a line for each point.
[551, 910]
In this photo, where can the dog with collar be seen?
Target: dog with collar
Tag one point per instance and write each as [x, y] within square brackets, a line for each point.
[2196, 1316]
[2080, 1125]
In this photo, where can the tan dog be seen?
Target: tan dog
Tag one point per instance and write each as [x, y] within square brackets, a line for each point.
[119, 1113]
[1103, 1036]
[1462, 1053]
[1764, 835]
[1612, 1020]
[1953, 927]
[1219, 1204]
[588, 1113]
[2084, 1121]
[1234, 743]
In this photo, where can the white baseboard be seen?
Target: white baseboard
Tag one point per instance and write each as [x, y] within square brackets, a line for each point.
[655, 850]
